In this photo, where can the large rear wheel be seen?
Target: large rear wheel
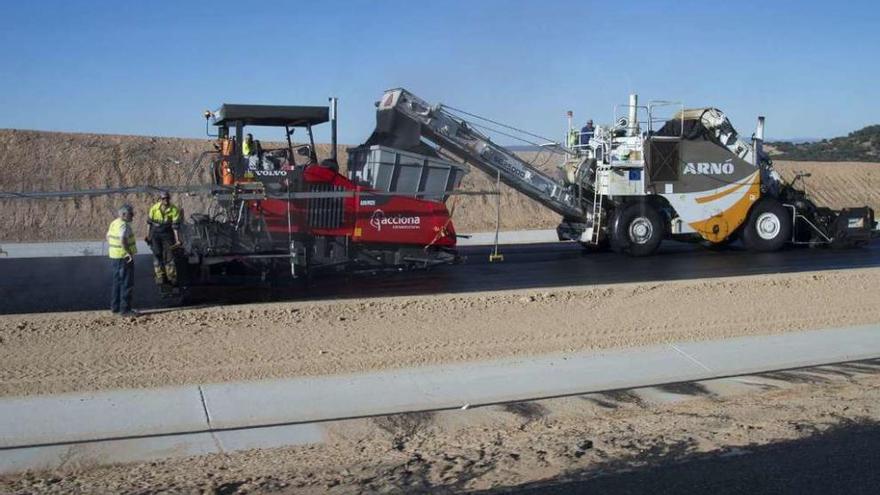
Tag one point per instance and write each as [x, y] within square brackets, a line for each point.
[637, 230]
[768, 227]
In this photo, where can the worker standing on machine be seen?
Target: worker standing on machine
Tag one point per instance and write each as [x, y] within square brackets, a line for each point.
[250, 149]
[164, 238]
[587, 132]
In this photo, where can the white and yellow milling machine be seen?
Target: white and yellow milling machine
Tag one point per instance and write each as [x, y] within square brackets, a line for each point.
[630, 185]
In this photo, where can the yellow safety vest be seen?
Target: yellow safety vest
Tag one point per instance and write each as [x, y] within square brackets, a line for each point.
[572, 138]
[159, 215]
[246, 148]
[119, 247]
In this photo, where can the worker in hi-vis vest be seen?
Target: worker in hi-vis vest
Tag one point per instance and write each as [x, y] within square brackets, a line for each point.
[164, 238]
[250, 150]
[248, 147]
[122, 247]
[572, 138]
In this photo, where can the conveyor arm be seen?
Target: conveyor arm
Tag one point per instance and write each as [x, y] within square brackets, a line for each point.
[404, 119]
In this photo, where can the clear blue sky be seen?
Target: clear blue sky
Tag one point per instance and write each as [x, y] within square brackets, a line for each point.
[152, 67]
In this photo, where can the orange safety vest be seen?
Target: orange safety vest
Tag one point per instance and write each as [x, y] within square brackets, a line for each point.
[226, 175]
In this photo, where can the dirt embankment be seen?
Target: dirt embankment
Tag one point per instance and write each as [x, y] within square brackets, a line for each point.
[51, 353]
[52, 161]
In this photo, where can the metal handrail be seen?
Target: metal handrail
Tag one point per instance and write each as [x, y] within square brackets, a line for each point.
[794, 217]
[197, 163]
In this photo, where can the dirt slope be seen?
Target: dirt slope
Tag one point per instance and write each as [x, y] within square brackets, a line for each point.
[51, 161]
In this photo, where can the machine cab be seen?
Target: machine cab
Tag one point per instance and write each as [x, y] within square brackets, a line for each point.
[246, 160]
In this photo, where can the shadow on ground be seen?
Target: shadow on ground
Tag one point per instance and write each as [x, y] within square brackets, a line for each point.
[844, 459]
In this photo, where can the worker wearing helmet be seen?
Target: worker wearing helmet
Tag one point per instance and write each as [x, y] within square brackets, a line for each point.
[122, 247]
[587, 132]
[164, 238]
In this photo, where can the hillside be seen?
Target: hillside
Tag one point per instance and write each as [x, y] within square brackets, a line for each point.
[862, 145]
[54, 161]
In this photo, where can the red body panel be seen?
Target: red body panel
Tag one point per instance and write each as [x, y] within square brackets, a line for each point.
[365, 218]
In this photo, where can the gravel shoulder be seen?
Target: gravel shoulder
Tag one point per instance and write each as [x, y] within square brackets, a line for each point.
[66, 352]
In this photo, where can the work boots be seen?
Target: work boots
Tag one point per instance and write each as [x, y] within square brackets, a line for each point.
[171, 272]
[159, 273]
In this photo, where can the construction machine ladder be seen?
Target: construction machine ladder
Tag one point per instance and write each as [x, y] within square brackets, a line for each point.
[404, 119]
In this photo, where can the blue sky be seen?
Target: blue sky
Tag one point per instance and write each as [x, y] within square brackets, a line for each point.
[152, 67]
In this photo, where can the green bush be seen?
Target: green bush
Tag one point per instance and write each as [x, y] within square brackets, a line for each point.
[862, 145]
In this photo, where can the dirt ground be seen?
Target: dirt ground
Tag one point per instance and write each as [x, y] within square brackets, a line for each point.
[807, 432]
[52, 161]
[62, 352]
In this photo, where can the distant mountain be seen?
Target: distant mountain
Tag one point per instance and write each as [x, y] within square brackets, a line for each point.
[799, 140]
[859, 146]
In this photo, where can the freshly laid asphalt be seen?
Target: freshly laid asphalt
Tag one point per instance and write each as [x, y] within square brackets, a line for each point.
[30, 285]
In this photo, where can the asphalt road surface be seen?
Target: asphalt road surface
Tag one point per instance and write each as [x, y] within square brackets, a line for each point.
[30, 285]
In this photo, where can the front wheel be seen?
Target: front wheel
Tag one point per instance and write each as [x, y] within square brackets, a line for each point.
[637, 230]
[768, 227]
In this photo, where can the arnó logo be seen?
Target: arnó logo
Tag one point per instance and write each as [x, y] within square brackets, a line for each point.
[379, 219]
[709, 168]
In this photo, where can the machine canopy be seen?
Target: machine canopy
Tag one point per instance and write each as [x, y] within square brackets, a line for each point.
[271, 115]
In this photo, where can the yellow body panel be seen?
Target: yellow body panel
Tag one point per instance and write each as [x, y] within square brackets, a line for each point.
[718, 227]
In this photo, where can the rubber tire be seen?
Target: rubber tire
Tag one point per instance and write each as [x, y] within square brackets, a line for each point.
[750, 237]
[620, 240]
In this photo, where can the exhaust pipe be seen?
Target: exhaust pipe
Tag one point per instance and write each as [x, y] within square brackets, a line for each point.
[333, 102]
[758, 145]
[633, 126]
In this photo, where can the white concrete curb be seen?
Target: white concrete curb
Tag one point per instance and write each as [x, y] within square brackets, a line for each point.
[119, 426]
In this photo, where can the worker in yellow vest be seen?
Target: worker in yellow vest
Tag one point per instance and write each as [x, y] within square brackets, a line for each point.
[164, 238]
[572, 138]
[248, 147]
[252, 152]
[121, 248]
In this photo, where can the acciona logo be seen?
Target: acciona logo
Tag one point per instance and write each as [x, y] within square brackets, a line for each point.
[709, 168]
[379, 219]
